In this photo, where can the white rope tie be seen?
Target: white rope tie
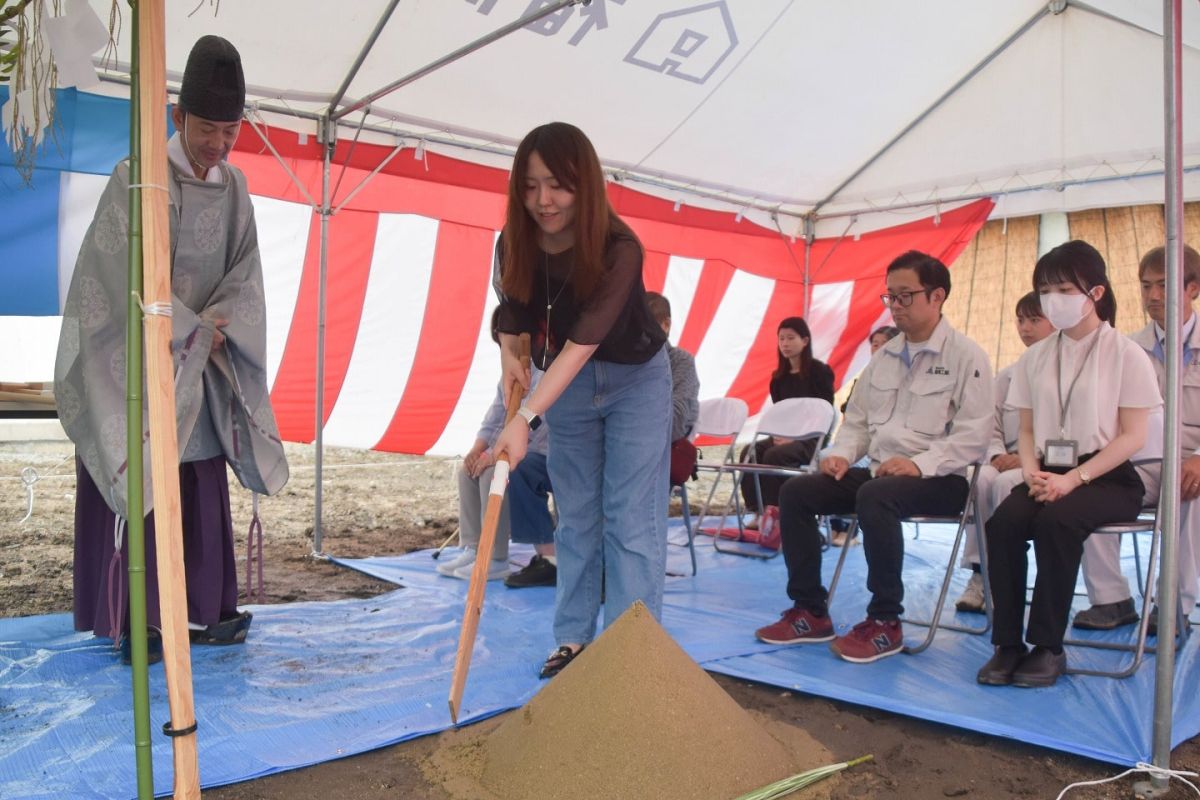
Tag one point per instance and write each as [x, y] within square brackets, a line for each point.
[1149, 769]
[29, 477]
[153, 309]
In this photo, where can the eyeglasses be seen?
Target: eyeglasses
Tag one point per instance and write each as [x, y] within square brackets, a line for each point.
[903, 299]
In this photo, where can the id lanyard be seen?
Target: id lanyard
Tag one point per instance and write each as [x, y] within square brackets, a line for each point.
[1064, 404]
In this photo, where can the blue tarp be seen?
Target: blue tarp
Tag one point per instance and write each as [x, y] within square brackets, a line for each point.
[318, 681]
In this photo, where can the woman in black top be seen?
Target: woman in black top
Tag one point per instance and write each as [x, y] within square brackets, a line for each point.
[570, 274]
[797, 375]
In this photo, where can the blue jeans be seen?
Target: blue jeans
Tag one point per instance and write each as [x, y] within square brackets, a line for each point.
[610, 461]
[528, 494]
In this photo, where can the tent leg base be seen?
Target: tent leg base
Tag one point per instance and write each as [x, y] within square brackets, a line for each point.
[1146, 790]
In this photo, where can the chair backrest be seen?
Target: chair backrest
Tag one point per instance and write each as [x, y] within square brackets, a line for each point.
[721, 417]
[797, 418]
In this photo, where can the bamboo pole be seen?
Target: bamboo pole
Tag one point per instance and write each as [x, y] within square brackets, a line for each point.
[135, 505]
[164, 448]
[483, 555]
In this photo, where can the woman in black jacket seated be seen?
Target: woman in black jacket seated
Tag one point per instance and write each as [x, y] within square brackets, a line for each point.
[797, 375]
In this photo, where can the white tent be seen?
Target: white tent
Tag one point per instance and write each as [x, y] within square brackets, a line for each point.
[796, 106]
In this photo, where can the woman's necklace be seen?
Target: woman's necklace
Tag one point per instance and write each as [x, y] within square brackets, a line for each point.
[550, 302]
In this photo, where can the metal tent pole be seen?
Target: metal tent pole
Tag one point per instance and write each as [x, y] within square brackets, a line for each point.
[450, 58]
[328, 139]
[1168, 581]
[810, 236]
[362, 56]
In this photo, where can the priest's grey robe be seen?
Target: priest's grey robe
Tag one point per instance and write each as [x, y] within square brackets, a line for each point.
[222, 403]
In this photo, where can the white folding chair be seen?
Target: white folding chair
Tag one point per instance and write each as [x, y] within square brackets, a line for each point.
[720, 418]
[796, 418]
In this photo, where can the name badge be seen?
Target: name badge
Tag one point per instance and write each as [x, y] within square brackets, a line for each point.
[1061, 453]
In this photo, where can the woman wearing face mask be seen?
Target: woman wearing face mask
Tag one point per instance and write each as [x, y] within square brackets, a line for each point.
[1084, 395]
[797, 374]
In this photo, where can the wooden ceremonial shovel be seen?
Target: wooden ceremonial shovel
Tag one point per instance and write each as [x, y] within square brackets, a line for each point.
[483, 554]
[160, 391]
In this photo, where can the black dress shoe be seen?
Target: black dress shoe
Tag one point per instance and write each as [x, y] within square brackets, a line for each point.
[1041, 667]
[231, 630]
[154, 647]
[1106, 616]
[540, 571]
[998, 671]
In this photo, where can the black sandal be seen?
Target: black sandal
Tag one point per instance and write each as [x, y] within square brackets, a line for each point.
[558, 660]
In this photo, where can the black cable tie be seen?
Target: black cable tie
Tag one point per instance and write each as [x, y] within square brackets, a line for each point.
[169, 731]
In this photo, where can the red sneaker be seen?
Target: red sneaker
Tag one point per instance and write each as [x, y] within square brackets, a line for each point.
[870, 640]
[797, 626]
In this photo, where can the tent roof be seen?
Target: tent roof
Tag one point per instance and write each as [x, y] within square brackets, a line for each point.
[795, 105]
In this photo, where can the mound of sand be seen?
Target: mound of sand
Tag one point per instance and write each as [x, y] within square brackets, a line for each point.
[632, 717]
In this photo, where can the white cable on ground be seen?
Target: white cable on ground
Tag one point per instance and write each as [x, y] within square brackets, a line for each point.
[1149, 769]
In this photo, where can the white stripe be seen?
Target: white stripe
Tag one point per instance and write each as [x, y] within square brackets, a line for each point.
[479, 390]
[392, 314]
[828, 315]
[78, 195]
[282, 244]
[679, 287]
[733, 330]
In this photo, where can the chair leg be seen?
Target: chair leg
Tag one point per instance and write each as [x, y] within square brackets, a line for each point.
[1137, 563]
[935, 623]
[1139, 648]
[837, 571]
[687, 524]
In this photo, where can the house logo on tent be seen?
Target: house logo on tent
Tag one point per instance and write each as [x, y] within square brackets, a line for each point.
[689, 43]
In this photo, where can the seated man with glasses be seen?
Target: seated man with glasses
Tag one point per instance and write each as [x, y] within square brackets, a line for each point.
[922, 412]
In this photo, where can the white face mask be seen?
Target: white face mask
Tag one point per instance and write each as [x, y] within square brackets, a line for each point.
[1064, 310]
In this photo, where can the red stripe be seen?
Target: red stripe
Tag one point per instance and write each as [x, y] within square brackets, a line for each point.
[462, 269]
[654, 270]
[293, 396]
[710, 290]
[752, 380]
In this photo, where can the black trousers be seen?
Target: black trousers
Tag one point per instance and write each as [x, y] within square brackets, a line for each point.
[792, 454]
[1058, 531]
[881, 504]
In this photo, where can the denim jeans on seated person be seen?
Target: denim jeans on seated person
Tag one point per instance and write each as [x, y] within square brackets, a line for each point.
[528, 499]
[609, 462]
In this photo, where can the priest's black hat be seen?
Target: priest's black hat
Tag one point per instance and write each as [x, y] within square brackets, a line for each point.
[213, 85]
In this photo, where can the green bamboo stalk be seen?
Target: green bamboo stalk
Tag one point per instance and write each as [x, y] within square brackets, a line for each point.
[786, 786]
[133, 410]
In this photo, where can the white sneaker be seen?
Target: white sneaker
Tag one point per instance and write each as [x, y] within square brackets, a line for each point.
[496, 570]
[972, 597]
[465, 558]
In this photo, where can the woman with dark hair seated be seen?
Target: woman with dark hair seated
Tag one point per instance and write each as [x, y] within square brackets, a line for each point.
[798, 374]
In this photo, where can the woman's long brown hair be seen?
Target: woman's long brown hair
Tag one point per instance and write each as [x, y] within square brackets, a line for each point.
[572, 160]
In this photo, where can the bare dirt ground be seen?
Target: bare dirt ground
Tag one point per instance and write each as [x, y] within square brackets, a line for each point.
[377, 503]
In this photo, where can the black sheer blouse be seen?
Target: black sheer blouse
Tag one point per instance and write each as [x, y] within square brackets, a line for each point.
[817, 383]
[615, 317]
